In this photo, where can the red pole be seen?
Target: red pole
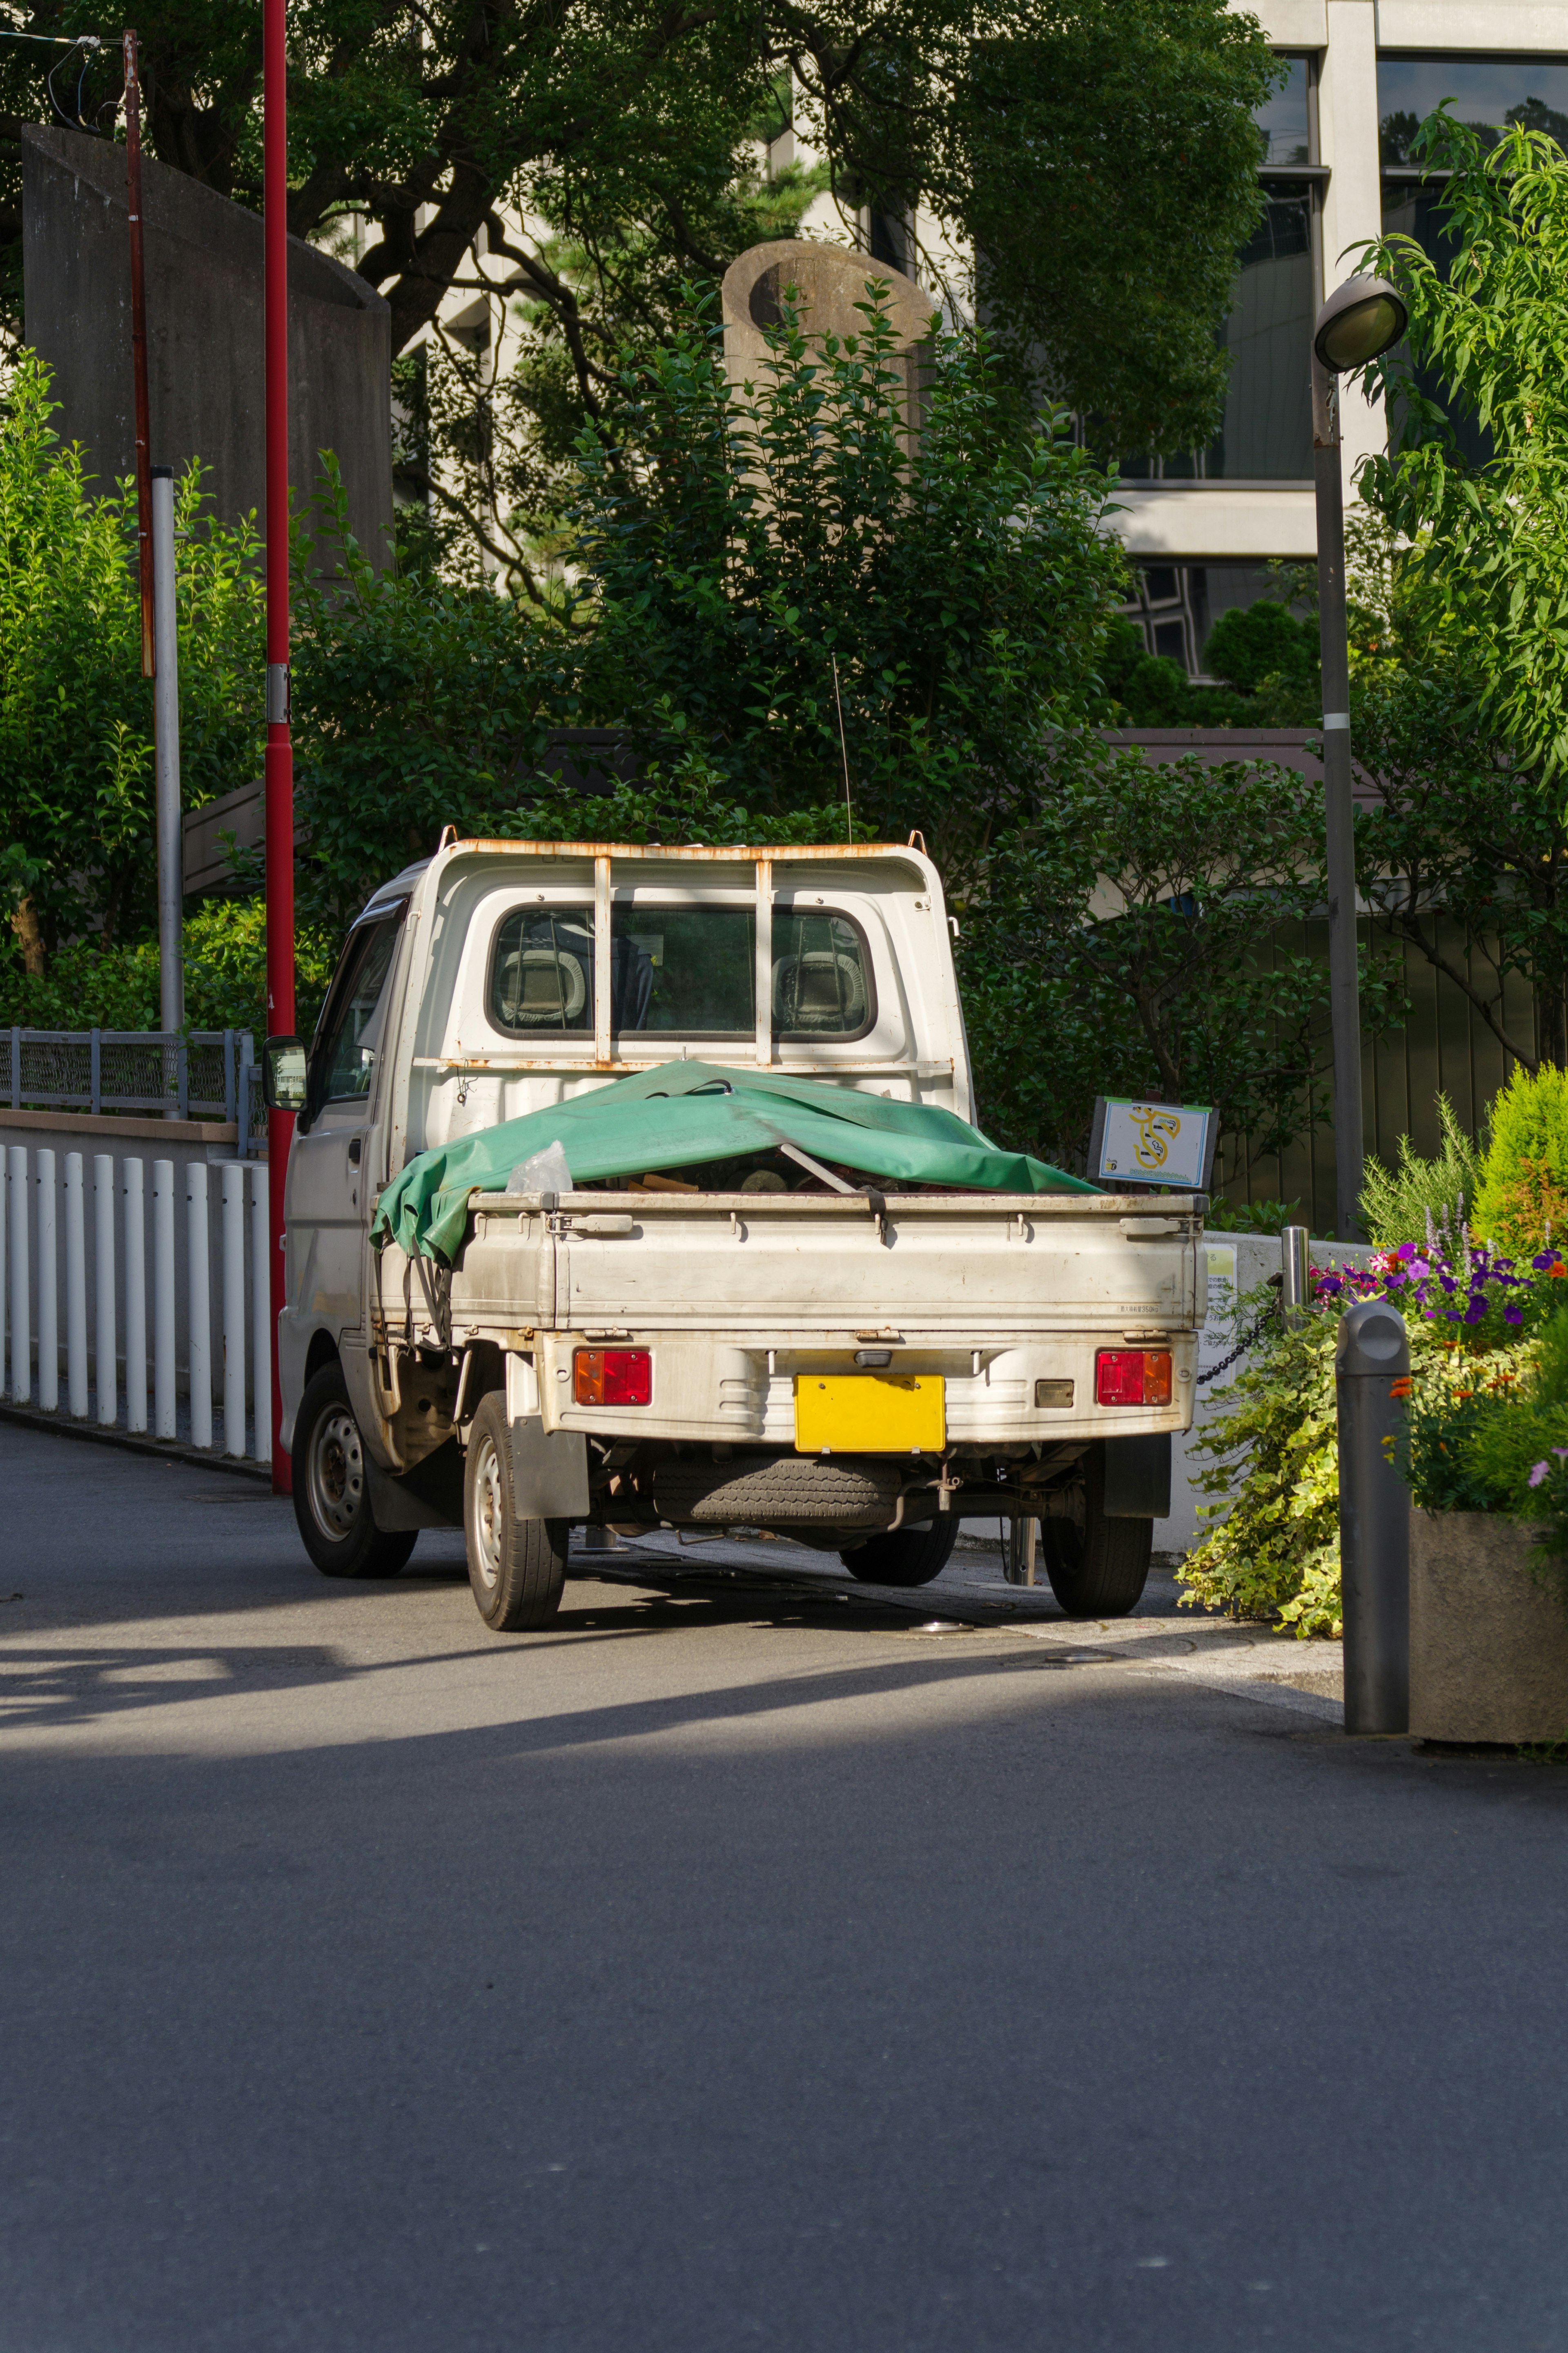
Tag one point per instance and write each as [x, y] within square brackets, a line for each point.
[279, 748]
[138, 349]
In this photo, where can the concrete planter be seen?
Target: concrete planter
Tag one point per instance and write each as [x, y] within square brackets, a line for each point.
[1489, 1644]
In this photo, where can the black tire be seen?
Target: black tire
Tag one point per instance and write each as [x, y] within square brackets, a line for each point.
[516, 1566]
[903, 1555]
[331, 1493]
[1098, 1567]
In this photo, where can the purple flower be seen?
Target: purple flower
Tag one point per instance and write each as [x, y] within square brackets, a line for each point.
[1513, 1314]
[1539, 1473]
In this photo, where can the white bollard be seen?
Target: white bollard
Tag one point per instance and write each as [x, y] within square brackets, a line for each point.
[48, 1289]
[165, 1423]
[135, 1298]
[105, 1340]
[21, 1284]
[198, 1287]
[232, 1308]
[76, 1289]
[261, 1313]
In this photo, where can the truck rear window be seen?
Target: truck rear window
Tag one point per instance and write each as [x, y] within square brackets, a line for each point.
[688, 971]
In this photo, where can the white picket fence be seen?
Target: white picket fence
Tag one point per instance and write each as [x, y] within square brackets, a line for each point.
[44, 1270]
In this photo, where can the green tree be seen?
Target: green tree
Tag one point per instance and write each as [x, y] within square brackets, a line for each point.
[1140, 934]
[76, 717]
[791, 578]
[1489, 544]
[1103, 161]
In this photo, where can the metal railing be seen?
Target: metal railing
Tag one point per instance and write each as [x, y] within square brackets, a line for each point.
[107, 1307]
[191, 1074]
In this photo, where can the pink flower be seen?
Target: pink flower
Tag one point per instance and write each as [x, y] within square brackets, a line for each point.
[1539, 1473]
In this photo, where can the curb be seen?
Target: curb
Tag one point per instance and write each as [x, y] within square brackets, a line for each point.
[160, 1450]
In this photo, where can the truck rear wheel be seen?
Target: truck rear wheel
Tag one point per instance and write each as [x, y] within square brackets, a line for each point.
[331, 1493]
[516, 1566]
[1098, 1567]
[903, 1555]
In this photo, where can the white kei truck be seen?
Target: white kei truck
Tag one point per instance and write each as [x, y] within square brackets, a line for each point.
[857, 1367]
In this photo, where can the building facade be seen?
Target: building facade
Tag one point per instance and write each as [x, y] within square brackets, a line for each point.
[1203, 526]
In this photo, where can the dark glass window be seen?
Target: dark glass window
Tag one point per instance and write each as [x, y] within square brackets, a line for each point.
[1178, 605]
[1489, 94]
[822, 976]
[1267, 434]
[541, 971]
[691, 971]
[343, 1058]
[1285, 119]
[688, 971]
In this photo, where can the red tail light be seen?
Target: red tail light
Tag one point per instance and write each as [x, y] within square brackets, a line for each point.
[612, 1376]
[1133, 1376]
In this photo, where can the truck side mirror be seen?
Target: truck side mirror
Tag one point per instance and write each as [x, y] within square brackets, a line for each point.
[283, 1075]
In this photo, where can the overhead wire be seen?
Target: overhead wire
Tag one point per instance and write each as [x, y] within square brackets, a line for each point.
[87, 43]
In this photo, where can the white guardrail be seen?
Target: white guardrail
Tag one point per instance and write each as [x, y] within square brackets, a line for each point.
[46, 1247]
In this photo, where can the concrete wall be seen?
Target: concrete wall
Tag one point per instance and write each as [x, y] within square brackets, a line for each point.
[205, 332]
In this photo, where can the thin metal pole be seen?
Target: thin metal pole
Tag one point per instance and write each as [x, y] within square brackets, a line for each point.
[106, 1347]
[139, 349]
[166, 738]
[1344, 985]
[21, 1283]
[279, 743]
[135, 1297]
[48, 1287]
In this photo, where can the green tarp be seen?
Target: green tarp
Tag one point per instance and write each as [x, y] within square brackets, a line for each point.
[686, 1112]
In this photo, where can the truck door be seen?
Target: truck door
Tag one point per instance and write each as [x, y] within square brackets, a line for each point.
[328, 1173]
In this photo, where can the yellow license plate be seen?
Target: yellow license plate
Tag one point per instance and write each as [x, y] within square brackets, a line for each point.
[870, 1413]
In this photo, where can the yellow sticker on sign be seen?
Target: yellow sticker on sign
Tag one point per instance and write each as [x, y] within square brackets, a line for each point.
[870, 1413]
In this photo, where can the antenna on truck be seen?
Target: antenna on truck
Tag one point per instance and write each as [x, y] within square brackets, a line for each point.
[843, 748]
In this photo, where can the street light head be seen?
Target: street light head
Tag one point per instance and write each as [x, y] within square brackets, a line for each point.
[1359, 322]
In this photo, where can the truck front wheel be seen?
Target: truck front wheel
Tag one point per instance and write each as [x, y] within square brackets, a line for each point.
[516, 1566]
[904, 1556]
[332, 1492]
[1098, 1567]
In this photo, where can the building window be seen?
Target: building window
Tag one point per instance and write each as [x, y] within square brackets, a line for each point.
[1489, 94]
[1266, 433]
[1177, 604]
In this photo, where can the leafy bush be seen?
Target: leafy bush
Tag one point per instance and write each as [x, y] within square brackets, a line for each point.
[89, 986]
[1403, 1203]
[75, 715]
[1273, 1551]
[1224, 1216]
[1495, 1439]
[1523, 1192]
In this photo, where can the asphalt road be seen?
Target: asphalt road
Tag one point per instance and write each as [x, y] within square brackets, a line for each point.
[732, 1969]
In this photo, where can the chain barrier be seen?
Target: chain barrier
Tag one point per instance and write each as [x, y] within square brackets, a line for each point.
[1239, 1350]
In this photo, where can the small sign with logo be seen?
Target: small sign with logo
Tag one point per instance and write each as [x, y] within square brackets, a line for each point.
[1135, 1141]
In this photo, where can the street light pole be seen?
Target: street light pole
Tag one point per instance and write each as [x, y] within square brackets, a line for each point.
[1361, 321]
[1344, 982]
[279, 770]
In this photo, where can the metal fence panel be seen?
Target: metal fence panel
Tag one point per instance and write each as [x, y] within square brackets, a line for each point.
[194, 1074]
